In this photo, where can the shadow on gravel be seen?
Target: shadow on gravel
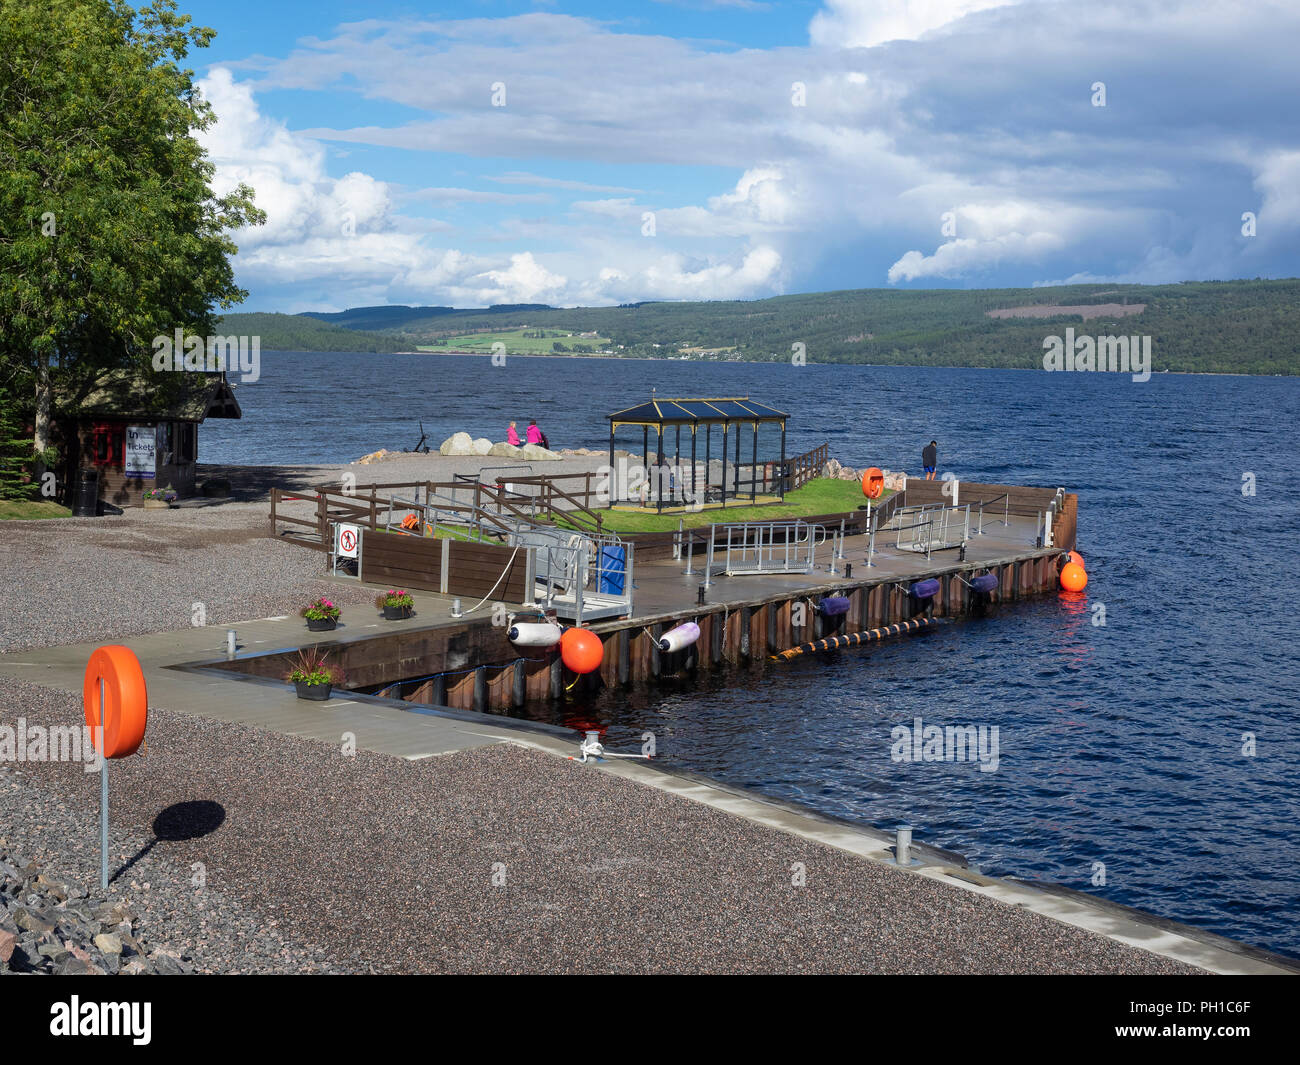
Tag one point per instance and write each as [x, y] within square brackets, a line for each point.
[180, 821]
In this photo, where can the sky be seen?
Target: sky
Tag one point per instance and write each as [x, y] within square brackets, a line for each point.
[582, 153]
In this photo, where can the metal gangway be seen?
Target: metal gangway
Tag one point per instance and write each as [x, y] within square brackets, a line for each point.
[931, 527]
[579, 575]
[764, 547]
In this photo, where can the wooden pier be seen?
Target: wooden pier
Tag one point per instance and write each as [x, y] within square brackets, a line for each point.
[469, 664]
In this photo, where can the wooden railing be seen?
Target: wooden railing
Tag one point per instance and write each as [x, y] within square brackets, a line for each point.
[803, 468]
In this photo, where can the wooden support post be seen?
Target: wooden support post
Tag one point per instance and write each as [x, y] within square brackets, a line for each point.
[557, 678]
[438, 692]
[480, 689]
[656, 656]
[518, 684]
[624, 656]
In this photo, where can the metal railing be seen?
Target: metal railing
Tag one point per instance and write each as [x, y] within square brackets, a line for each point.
[931, 527]
[580, 575]
[764, 547]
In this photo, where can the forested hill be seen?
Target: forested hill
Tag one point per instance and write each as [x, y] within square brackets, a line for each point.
[1221, 327]
[296, 332]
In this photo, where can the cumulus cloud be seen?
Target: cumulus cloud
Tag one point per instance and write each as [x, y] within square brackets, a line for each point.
[985, 111]
[863, 23]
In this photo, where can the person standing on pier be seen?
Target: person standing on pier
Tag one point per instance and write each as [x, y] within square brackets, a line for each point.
[930, 459]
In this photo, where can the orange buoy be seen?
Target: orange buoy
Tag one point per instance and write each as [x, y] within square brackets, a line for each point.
[1077, 559]
[873, 483]
[581, 650]
[126, 702]
[1074, 578]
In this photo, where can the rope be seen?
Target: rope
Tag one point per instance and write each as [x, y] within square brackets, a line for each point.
[494, 587]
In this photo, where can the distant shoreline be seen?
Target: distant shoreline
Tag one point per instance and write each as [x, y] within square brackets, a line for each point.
[764, 362]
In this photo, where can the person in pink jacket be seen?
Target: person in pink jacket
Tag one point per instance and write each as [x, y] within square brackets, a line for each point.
[512, 435]
[534, 433]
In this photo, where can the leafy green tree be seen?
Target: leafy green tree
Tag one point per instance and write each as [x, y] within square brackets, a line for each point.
[110, 233]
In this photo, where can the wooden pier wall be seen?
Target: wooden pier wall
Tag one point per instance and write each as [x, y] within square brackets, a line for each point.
[732, 635]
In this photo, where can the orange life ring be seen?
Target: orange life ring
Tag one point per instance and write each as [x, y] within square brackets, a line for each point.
[873, 483]
[126, 702]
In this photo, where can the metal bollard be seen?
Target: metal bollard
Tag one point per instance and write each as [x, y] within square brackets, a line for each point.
[232, 643]
[455, 608]
[903, 846]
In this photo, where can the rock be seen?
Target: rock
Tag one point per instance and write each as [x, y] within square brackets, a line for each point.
[166, 964]
[482, 446]
[56, 952]
[457, 444]
[74, 967]
[505, 451]
[831, 468]
[136, 967]
[537, 453]
[374, 456]
[7, 943]
[29, 922]
[108, 943]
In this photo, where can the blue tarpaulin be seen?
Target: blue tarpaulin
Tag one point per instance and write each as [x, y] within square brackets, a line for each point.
[613, 570]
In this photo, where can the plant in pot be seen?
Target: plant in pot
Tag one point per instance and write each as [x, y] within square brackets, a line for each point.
[322, 615]
[159, 498]
[313, 676]
[396, 605]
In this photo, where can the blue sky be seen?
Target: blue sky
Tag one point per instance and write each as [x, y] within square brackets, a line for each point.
[582, 153]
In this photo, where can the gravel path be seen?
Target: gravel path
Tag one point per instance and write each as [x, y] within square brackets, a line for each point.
[390, 864]
[79, 579]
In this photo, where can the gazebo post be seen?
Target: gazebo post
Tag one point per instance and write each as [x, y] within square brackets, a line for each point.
[753, 477]
[783, 458]
[735, 488]
[724, 463]
[677, 460]
[659, 465]
[645, 453]
[694, 493]
[613, 475]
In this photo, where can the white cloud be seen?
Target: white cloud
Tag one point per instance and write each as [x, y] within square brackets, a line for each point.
[864, 23]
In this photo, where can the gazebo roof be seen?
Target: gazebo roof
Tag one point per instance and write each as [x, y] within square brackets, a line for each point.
[708, 411]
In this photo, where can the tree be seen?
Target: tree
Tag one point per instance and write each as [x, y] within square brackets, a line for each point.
[110, 233]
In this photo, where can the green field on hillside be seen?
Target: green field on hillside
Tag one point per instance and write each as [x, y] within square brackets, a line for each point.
[523, 342]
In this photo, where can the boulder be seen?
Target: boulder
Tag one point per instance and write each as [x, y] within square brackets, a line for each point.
[374, 456]
[831, 468]
[482, 446]
[505, 451]
[457, 444]
[537, 453]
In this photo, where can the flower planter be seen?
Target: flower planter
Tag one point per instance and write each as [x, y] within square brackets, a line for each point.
[397, 613]
[316, 693]
[322, 624]
[156, 504]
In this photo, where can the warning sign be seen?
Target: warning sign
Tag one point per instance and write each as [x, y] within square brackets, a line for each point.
[347, 541]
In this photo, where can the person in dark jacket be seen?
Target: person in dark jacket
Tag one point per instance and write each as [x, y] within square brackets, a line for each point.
[930, 459]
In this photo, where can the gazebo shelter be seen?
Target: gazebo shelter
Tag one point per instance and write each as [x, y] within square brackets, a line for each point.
[705, 480]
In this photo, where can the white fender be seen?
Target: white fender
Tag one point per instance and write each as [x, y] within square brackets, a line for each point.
[683, 635]
[534, 634]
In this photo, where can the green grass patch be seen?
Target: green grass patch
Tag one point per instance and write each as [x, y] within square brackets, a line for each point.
[824, 495]
[523, 342]
[31, 510]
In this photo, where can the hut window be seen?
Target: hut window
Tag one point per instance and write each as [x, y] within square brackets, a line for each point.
[107, 445]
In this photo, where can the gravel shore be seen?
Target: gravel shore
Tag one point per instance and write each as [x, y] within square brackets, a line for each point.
[71, 580]
[499, 859]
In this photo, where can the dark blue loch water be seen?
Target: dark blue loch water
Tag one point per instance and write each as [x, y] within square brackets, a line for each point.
[1120, 744]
